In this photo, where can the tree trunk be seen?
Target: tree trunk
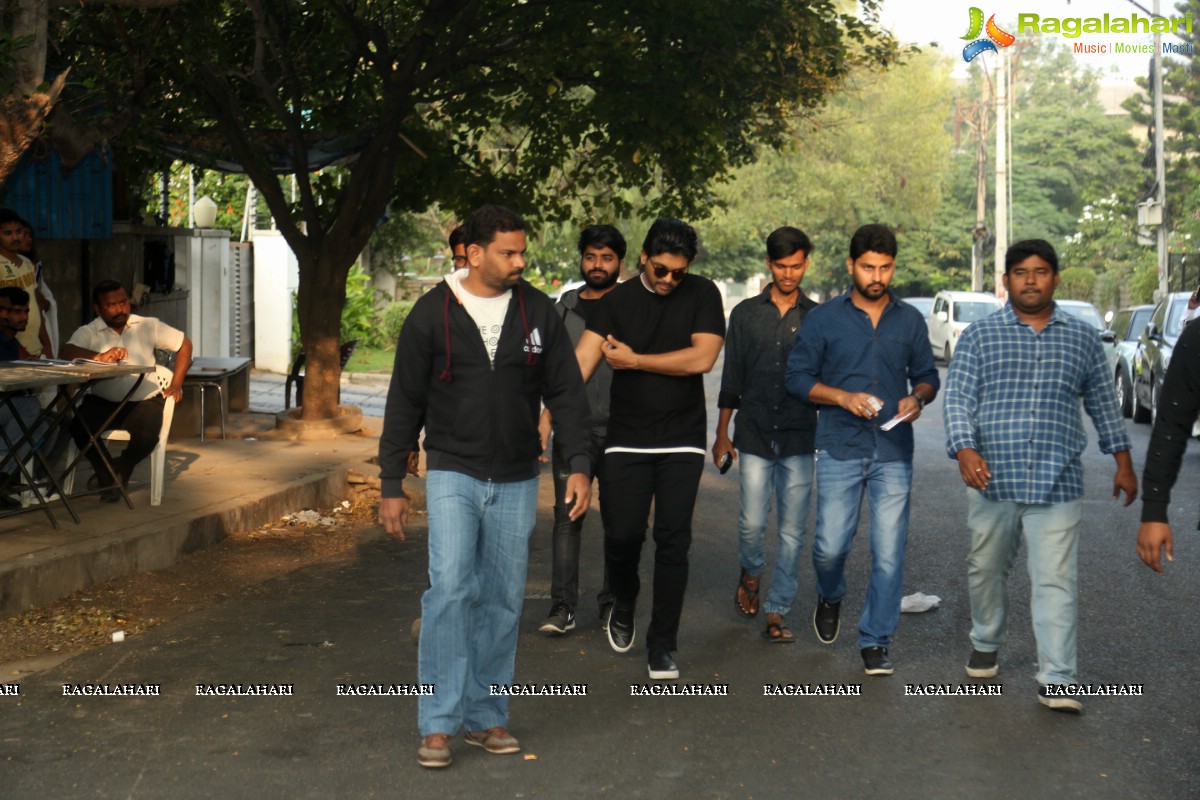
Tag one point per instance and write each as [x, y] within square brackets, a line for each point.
[319, 302]
[21, 122]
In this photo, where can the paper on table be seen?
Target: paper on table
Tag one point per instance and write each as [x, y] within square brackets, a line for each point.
[893, 422]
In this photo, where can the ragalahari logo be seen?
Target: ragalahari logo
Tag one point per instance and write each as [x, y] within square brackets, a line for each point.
[995, 36]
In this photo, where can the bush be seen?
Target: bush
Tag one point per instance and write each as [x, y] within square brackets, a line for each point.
[1077, 283]
[390, 321]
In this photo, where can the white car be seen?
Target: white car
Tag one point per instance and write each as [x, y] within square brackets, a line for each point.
[952, 313]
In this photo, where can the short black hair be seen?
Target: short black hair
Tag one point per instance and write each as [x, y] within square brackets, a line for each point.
[7, 215]
[1028, 248]
[873, 238]
[486, 221]
[674, 236]
[786, 241]
[602, 236]
[458, 236]
[104, 287]
[15, 295]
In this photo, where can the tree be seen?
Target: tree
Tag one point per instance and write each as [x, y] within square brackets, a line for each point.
[878, 152]
[88, 118]
[543, 105]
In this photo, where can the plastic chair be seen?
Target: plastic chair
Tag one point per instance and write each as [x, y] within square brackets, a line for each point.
[158, 458]
[345, 351]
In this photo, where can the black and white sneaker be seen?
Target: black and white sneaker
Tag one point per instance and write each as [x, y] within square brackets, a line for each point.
[605, 608]
[1055, 697]
[560, 620]
[982, 665]
[827, 620]
[875, 661]
[662, 667]
[621, 629]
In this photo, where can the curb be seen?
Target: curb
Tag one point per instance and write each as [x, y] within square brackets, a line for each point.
[49, 575]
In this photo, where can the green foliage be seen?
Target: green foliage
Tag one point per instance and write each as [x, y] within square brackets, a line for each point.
[358, 315]
[1105, 243]
[390, 321]
[553, 108]
[1076, 283]
[878, 152]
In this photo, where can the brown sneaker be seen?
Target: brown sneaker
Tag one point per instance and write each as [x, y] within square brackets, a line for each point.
[495, 740]
[434, 751]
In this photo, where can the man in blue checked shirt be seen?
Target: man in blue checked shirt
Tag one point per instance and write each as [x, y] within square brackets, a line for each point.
[856, 356]
[1013, 423]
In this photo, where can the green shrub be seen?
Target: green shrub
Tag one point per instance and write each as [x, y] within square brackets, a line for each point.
[1076, 283]
[390, 321]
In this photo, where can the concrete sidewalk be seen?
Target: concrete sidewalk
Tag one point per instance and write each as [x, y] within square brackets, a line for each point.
[367, 390]
[212, 489]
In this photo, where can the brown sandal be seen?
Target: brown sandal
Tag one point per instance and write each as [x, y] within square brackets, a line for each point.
[747, 589]
[777, 632]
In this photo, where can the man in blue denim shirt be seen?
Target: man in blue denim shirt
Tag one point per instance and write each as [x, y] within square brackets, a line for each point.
[857, 355]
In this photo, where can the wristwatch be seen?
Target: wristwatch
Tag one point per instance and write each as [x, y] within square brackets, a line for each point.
[920, 400]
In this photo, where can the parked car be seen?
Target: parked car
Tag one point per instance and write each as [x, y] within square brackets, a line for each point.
[1154, 353]
[1127, 325]
[922, 304]
[1088, 313]
[1084, 311]
[952, 313]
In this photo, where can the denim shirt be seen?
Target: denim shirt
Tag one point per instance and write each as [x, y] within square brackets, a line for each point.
[839, 347]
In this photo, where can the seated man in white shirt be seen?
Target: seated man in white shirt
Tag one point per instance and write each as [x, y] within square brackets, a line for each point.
[116, 335]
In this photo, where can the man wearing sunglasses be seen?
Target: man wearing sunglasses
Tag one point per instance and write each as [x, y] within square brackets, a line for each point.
[660, 333]
[864, 356]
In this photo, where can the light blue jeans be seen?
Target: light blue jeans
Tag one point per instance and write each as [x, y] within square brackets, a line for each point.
[1052, 542]
[791, 480]
[478, 552]
[840, 489]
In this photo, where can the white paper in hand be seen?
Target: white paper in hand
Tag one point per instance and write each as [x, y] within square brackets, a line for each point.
[894, 421]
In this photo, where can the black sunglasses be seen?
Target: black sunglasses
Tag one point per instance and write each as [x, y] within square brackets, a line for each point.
[661, 272]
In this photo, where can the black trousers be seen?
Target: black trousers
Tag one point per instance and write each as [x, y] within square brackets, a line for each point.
[565, 538]
[630, 483]
[143, 420]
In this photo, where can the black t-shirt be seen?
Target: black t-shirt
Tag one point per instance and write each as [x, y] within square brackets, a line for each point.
[651, 411]
[584, 307]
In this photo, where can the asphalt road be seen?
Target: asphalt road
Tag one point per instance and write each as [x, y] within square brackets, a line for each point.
[347, 621]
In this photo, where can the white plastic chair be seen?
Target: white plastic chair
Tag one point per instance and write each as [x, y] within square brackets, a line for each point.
[158, 458]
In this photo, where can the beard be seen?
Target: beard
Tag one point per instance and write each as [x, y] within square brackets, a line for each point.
[598, 282]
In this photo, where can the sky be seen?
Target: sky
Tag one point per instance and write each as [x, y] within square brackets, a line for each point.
[945, 21]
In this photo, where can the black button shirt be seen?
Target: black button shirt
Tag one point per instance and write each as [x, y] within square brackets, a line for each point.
[770, 423]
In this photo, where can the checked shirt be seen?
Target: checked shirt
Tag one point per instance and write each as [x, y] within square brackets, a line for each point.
[1013, 394]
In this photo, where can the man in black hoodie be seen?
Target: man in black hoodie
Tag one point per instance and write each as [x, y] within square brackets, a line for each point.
[476, 358]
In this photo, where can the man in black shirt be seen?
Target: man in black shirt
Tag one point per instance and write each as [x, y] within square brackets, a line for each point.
[1177, 410]
[660, 333]
[774, 432]
[601, 258]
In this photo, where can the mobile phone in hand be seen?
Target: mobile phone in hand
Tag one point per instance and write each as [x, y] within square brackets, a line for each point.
[726, 463]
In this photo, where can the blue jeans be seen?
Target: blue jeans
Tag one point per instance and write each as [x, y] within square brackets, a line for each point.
[840, 489]
[1052, 542]
[791, 479]
[478, 552]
